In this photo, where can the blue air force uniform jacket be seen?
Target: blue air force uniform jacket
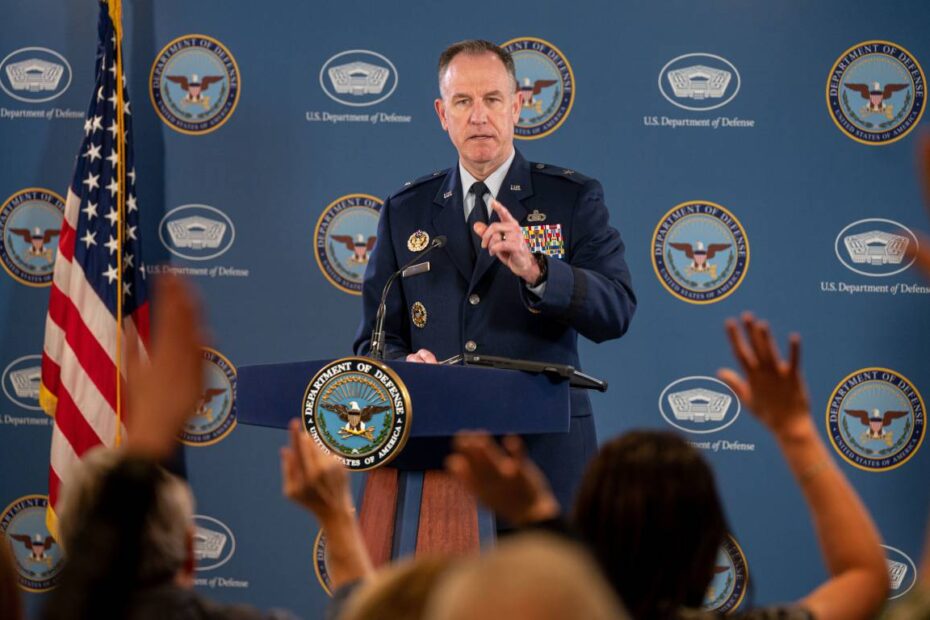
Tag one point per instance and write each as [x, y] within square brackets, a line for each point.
[484, 308]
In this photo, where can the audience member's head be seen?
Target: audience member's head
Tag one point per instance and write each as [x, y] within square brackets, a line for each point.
[648, 507]
[400, 591]
[126, 525]
[11, 605]
[529, 576]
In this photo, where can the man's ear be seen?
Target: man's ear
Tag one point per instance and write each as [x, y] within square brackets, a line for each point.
[441, 113]
[517, 106]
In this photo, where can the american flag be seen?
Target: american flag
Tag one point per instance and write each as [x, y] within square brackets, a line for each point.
[79, 360]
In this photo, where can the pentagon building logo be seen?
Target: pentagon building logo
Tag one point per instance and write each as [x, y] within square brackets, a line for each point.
[699, 405]
[875, 247]
[21, 380]
[197, 232]
[902, 573]
[358, 78]
[214, 543]
[699, 82]
[35, 74]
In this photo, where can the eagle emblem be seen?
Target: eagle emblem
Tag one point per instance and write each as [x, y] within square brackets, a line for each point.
[529, 92]
[38, 547]
[355, 417]
[876, 96]
[875, 423]
[203, 410]
[195, 87]
[37, 238]
[700, 256]
[358, 245]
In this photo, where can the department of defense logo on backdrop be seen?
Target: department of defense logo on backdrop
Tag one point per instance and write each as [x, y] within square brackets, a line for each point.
[215, 416]
[214, 543]
[731, 576]
[359, 410]
[547, 84]
[196, 232]
[36, 555]
[902, 572]
[700, 252]
[21, 379]
[321, 564]
[195, 84]
[875, 419]
[344, 236]
[30, 226]
[699, 82]
[875, 247]
[876, 92]
[699, 404]
[358, 78]
[34, 74]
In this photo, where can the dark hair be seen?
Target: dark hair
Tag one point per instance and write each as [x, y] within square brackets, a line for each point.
[476, 47]
[649, 510]
[11, 606]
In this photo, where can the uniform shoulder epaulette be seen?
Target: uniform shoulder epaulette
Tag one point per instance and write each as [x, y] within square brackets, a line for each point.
[560, 171]
[439, 174]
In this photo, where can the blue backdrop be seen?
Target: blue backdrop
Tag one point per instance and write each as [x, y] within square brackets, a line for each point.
[719, 103]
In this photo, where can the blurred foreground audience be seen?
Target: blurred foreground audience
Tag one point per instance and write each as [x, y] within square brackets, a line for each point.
[649, 510]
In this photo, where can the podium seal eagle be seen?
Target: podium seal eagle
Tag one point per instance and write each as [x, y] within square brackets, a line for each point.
[359, 410]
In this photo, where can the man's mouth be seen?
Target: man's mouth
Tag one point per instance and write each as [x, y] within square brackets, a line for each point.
[481, 137]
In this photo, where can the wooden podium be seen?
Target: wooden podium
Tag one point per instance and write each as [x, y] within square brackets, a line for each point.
[411, 505]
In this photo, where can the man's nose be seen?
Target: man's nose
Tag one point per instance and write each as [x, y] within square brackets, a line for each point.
[479, 114]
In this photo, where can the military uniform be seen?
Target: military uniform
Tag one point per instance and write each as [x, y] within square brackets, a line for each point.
[460, 307]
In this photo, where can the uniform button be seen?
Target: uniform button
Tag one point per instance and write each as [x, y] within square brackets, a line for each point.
[470, 346]
[473, 299]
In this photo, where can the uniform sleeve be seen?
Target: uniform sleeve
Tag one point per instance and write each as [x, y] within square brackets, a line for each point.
[381, 265]
[592, 290]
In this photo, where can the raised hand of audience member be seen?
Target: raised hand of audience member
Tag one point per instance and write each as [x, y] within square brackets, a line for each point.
[165, 389]
[503, 479]
[320, 483]
[921, 253]
[774, 390]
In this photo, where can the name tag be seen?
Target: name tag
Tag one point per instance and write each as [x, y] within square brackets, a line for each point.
[546, 239]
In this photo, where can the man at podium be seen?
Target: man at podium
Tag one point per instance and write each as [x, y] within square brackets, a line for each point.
[528, 262]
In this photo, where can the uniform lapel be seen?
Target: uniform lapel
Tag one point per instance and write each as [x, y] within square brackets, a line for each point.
[515, 188]
[449, 220]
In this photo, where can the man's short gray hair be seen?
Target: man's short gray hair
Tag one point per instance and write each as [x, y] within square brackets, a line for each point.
[476, 47]
[163, 545]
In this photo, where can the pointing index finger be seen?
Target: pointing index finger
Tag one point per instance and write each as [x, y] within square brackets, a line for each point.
[502, 212]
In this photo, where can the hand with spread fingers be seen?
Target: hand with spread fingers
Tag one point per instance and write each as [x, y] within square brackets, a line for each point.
[504, 239]
[772, 388]
[503, 479]
[315, 480]
[165, 389]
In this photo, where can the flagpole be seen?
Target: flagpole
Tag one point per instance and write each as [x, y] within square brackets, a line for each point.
[116, 16]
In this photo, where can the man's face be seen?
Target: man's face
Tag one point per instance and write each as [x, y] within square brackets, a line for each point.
[479, 109]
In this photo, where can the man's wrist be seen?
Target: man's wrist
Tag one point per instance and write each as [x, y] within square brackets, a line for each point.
[542, 270]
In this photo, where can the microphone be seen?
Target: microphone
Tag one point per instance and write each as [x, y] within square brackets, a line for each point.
[377, 334]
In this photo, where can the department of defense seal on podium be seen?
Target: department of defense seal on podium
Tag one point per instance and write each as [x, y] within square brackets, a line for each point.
[359, 410]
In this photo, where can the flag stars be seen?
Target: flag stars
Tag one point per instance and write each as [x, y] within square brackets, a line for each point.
[111, 245]
[132, 175]
[97, 124]
[131, 203]
[88, 126]
[93, 151]
[92, 181]
[126, 109]
[127, 289]
[112, 216]
[113, 186]
[113, 128]
[111, 274]
[90, 210]
[89, 239]
[127, 261]
[113, 158]
[112, 69]
[100, 94]
[112, 99]
[131, 232]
